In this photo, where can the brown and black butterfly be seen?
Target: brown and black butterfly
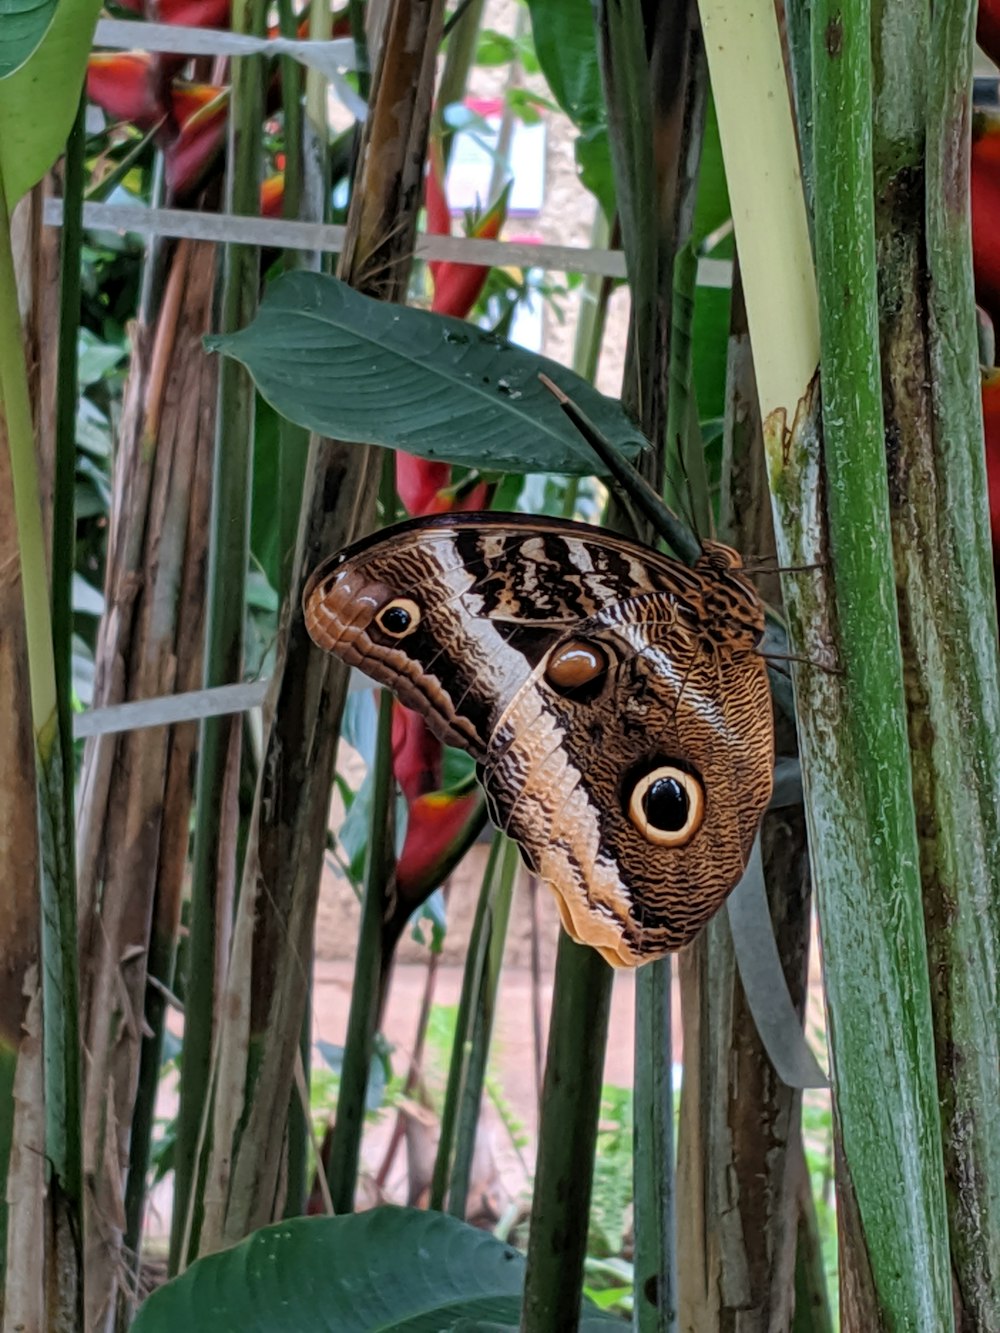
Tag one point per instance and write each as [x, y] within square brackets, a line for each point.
[614, 700]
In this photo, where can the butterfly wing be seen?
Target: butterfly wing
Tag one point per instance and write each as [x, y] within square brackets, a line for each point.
[567, 770]
[572, 664]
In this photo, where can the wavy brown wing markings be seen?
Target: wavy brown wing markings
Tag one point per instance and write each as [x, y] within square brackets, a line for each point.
[480, 636]
[495, 593]
[555, 774]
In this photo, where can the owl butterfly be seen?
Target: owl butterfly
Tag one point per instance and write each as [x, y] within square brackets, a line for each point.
[613, 699]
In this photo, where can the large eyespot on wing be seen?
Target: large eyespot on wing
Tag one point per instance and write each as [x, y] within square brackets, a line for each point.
[666, 804]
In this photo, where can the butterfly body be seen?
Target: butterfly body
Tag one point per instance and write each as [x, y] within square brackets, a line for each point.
[614, 700]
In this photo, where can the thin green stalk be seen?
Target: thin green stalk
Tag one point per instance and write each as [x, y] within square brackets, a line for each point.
[58, 890]
[595, 293]
[293, 441]
[655, 1259]
[878, 992]
[460, 53]
[686, 486]
[345, 1144]
[475, 961]
[571, 1096]
[228, 557]
[478, 1044]
[64, 490]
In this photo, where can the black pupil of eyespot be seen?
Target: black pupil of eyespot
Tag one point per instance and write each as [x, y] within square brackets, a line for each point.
[396, 620]
[666, 805]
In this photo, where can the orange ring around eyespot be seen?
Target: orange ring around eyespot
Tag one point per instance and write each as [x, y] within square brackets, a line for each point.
[696, 807]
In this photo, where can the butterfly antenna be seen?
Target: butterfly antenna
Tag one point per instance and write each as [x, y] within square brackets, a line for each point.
[665, 522]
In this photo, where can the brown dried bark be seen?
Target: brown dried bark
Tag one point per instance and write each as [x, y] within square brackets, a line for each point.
[265, 999]
[136, 787]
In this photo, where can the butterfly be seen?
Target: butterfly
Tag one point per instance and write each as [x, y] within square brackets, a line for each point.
[614, 700]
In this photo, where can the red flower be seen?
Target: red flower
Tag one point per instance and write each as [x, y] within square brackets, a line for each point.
[988, 28]
[442, 827]
[985, 199]
[416, 754]
[190, 13]
[991, 431]
[272, 195]
[129, 85]
[200, 111]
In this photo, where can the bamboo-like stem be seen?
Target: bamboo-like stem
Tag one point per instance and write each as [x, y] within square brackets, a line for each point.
[947, 581]
[58, 892]
[581, 1003]
[852, 726]
[23, 1168]
[64, 489]
[278, 897]
[908, 1254]
[475, 960]
[293, 454]
[481, 1031]
[228, 554]
[362, 1021]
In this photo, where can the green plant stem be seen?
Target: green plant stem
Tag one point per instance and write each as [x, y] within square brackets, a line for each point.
[950, 580]
[571, 1098]
[345, 1144]
[228, 558]
[64, 490]
[60, 986]
[461, 51]
[876, 967]
[654, 1260]
[475, 961]
[477, 1047]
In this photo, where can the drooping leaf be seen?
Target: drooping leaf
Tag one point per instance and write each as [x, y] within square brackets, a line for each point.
[39, 97]
[388, 1269]
[362, 370]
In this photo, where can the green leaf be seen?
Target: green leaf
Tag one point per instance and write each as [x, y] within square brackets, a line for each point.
[39, 98]
[566, 46]
[387, 1269]
[712, 208]
[22, 27]
[593, 161]
[369, 372]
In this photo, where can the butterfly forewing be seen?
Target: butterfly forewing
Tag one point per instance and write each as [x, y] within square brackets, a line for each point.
[589, 676]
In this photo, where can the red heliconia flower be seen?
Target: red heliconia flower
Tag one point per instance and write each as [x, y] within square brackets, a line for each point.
[991, 431]
[985, 199]
[272, 195]
[190, 13]
[200, 111]
[442, 827]
[129, 85]
[988, 28]
[457, 286]
[416, 754]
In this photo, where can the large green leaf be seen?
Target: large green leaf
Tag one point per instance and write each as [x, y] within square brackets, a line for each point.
[389, 1269]
[566, 46]
[22, 27]
[367, 371]
[40, 82]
